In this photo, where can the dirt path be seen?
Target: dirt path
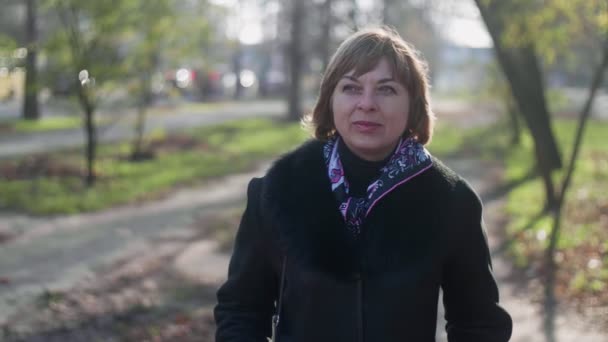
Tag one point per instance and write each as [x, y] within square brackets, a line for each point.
[56, 254]
[149, 272]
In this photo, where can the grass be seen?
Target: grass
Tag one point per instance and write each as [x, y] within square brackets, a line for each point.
[44, 124]
[582, 253]
[586, 197]
[41, 125]
[224, 149]
[193, 107]
[582, 247]
[485, 142]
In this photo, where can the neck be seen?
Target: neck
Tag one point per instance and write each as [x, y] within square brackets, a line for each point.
[359, 172]
[372, 157]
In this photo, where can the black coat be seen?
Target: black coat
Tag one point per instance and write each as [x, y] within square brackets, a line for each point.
[383, 286]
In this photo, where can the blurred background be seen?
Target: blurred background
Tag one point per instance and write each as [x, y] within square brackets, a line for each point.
[130, 128]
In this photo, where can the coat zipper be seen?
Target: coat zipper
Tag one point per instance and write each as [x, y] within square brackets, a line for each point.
[360, 310]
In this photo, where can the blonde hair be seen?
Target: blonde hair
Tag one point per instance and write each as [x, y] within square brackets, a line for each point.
[360, 53]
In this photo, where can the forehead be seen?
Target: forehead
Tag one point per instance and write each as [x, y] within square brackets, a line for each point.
[380, 68]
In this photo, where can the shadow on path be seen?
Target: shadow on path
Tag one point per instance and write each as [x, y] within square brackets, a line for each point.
[503, 247]
[502, 189]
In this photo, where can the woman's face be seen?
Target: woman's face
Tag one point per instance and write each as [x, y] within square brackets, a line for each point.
[371, 111]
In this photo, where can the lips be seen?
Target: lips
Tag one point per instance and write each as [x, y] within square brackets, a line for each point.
[366, 126]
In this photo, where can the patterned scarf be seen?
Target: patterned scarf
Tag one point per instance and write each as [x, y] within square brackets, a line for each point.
[409, 160]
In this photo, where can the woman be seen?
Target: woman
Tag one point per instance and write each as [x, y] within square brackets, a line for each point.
[354, 233]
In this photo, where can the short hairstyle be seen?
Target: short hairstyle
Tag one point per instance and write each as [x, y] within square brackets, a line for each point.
[361, 52]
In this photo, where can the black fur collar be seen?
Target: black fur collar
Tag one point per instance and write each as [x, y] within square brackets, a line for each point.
[304, 213]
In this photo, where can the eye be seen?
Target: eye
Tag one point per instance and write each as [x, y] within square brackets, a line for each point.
[350, 88]
[387, 90]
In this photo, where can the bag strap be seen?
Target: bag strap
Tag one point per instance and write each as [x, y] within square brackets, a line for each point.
[277, 316]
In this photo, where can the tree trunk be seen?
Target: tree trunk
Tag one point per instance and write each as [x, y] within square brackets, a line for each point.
[91, 134]
[236, 68]
[325, 40]
[266, 64]
[352, 15]
[30, 98]
[295, 60]
[524, 76]
[584, 117]
[145, 82]
[511, 108]
[136, 150]
[582, 122]
[91, 147]
[550, 300]
[387, 9]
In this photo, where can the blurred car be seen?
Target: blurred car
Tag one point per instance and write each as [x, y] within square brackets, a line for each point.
[211, 84]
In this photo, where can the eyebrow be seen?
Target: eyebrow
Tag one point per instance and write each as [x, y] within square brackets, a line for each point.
[382, 80]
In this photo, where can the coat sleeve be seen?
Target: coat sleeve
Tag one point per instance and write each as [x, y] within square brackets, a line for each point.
[470, 294]
[246, 300]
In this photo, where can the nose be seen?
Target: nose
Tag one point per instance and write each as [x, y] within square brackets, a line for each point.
[367, 102]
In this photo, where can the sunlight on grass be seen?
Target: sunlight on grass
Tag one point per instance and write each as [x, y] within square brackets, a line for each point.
[585, 214]
[47, 123]
[232, 147]
[50, 123]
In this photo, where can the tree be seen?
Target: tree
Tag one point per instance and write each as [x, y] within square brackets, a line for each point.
[549, 29]
[237, 68]
[296, 59]
[388, 13]
[11, 22]
[156, 34]
[497, 88]
[521, 67]
[326, 26]
[7, 48]
[88, 47]
[30, 96]
[23, 30]
[151, 26]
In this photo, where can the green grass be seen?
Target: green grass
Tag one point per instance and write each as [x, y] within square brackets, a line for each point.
[451, 141]
[446, 141]
[584, 229]
[583, 239]
[44, 124]
[585, 214]
[188, 107]
[588, 189]
[51, 123]
[228, 148]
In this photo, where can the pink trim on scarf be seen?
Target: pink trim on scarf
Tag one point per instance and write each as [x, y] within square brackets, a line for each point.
[394, 186]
